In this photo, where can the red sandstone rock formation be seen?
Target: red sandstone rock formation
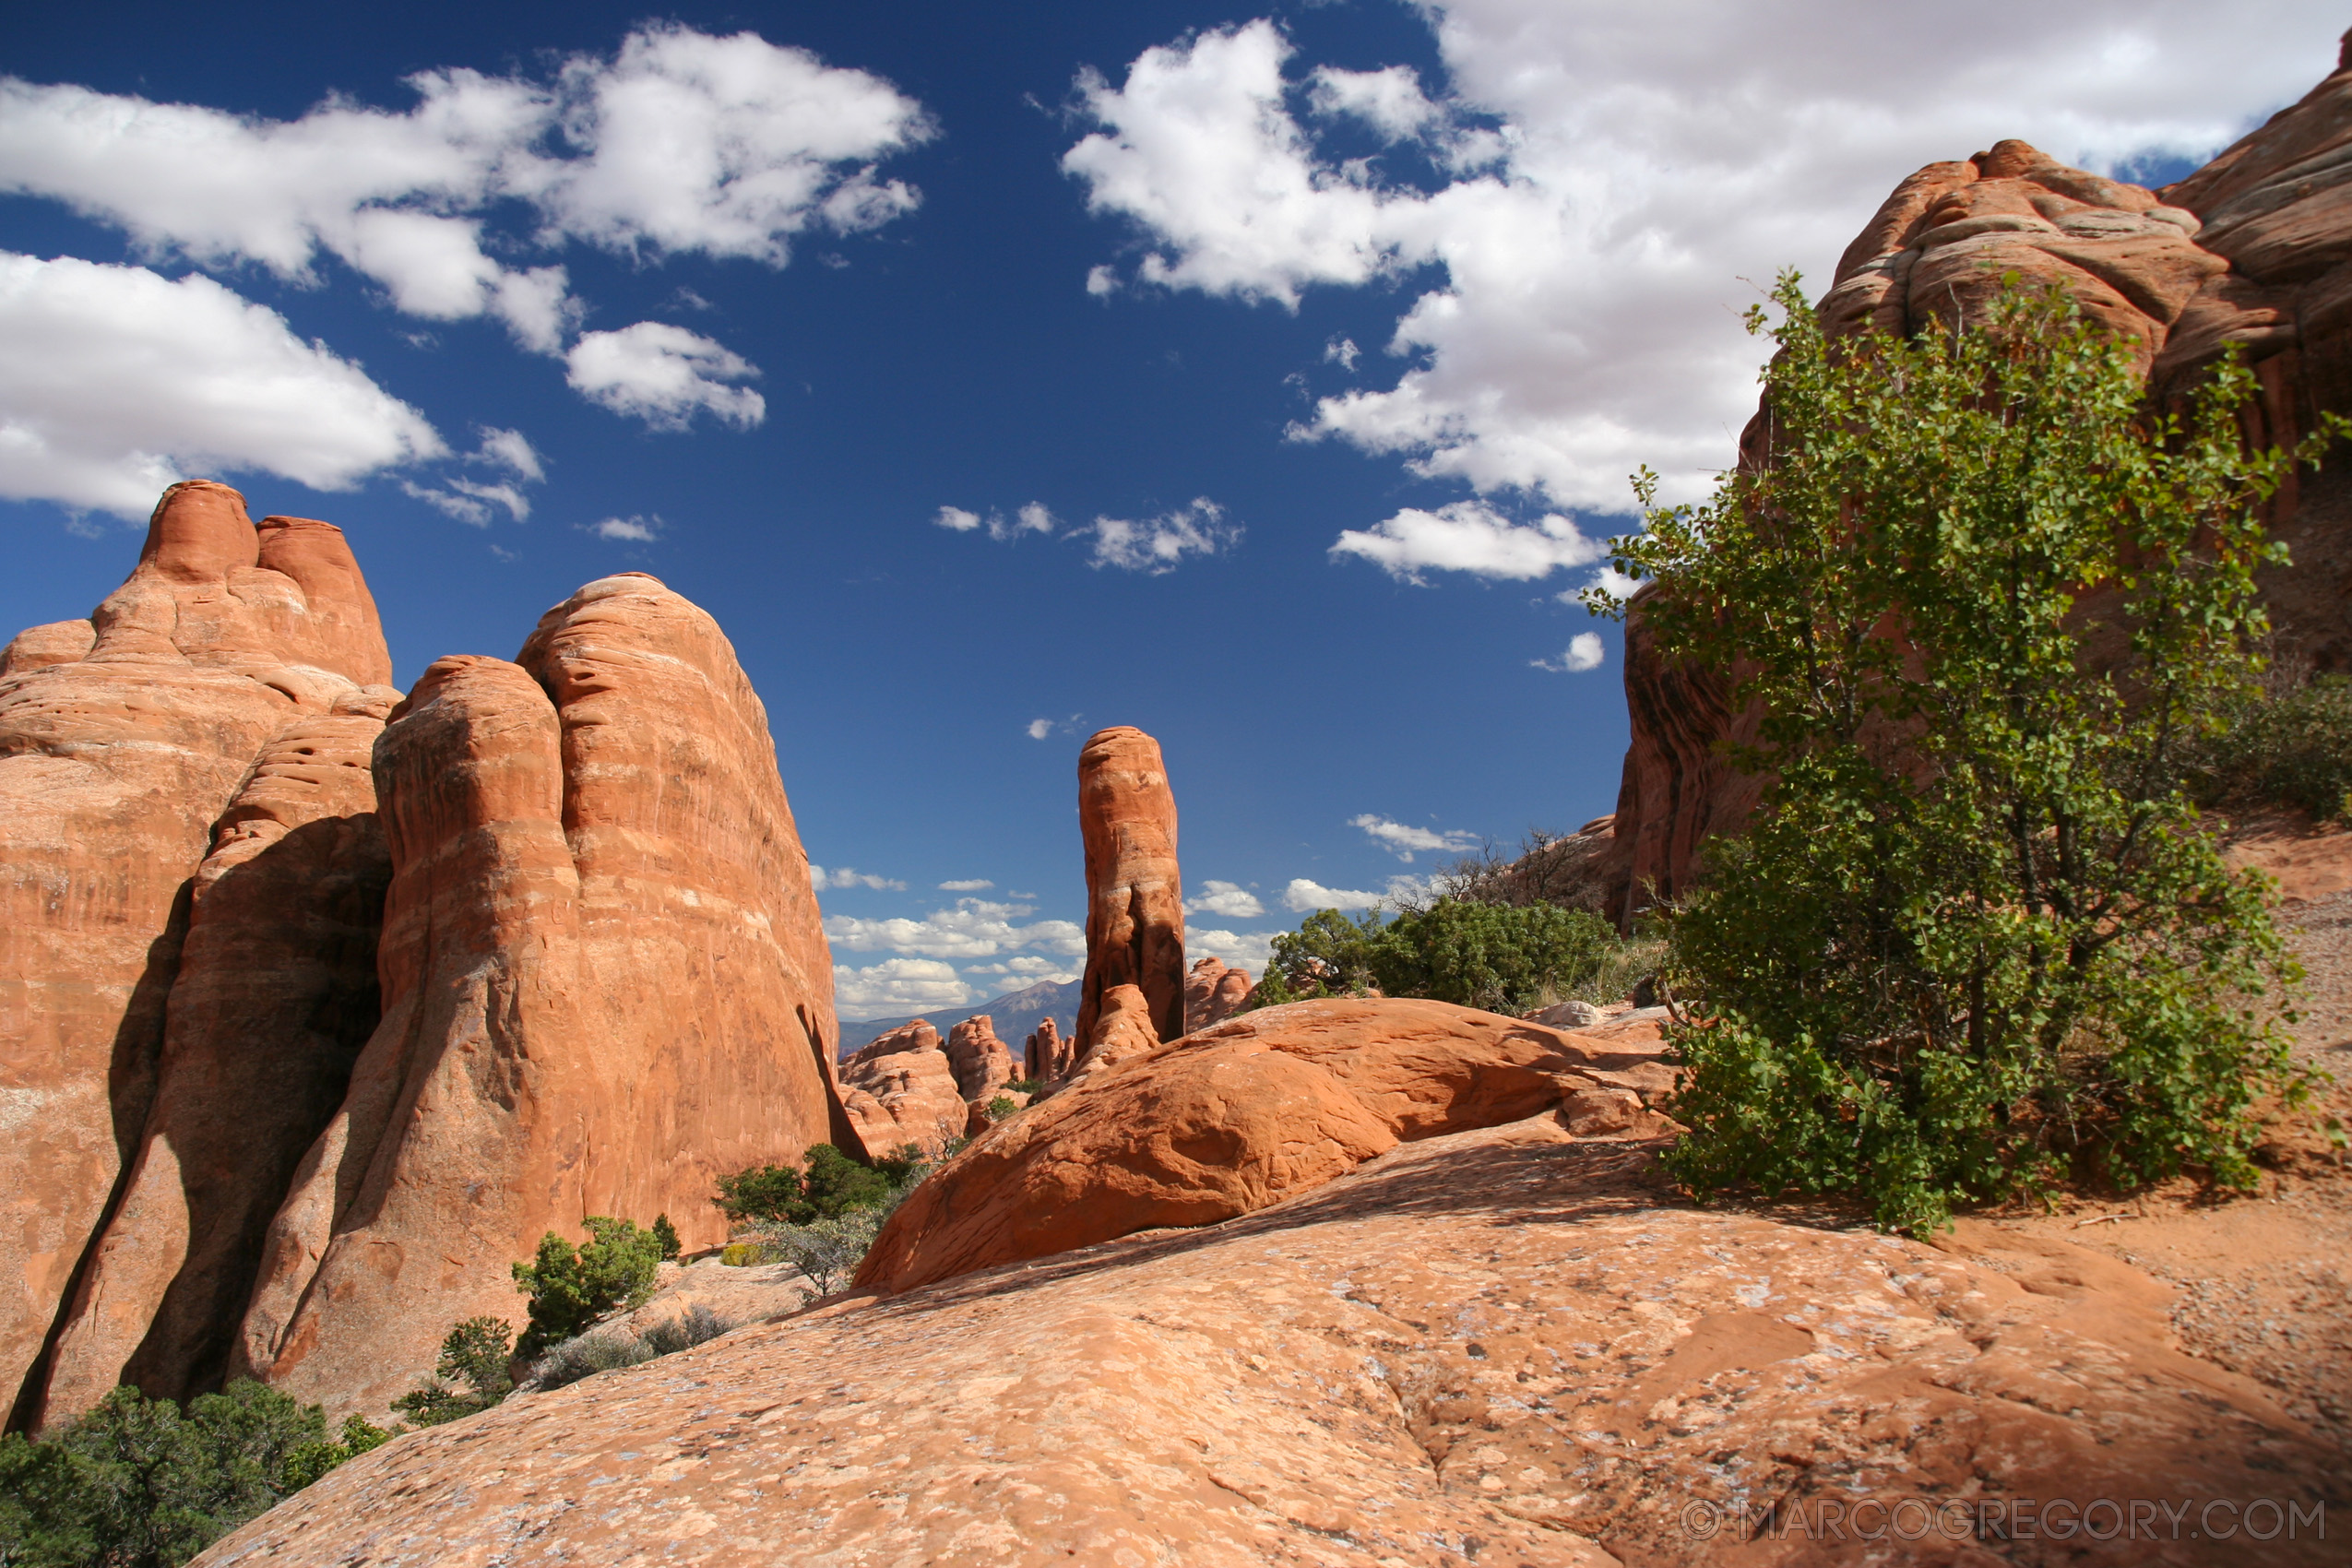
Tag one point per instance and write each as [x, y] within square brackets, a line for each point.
[122, 740]
[1123, 1031]
[1046, 1057]
[1134, 896]
[275, 995]
[1509, 1335]
[1213, 993]
[983, 1064]
[901, 1089]
[2255, 249]
[604, 984]
[1245, 1113]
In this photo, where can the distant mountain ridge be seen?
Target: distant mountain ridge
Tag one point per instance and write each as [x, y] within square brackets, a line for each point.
[1017, 1015]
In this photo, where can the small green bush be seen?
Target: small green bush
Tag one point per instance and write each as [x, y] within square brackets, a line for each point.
[1501, 956]
[2294, 746]
[571, 1287]
[826, 1250]
[137, 1483]
[610, 1349]
[666, 1234]
[474, 1356]
[1001, 1107]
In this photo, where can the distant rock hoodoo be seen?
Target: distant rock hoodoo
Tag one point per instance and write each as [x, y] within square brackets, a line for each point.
[1134, 895]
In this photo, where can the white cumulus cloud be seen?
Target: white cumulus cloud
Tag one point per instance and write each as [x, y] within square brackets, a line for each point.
[1303, 897]
[1229, 900]
[842, 877]
[1584, 652]
[680, 142]
[1159, 544]
[664, 376]
[635, 529]
[898, 985]
[116, 381]
[974, 928]
[1590, 192]
[1470, 536]
[1030, 517]
[968, 884]
[1248, 950]
[1402, 840]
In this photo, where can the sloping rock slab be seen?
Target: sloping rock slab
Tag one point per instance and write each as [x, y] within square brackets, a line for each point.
[1244, 1114]
[1506, 1346]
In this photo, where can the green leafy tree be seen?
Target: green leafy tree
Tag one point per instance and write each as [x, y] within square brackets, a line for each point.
[667, 1235]
[833, 1184]
[1501, 956]
[570, 1288]
[138, 1483]
[1001, 1107]
[474, 1357]
[1985, 600]
[763, 1192]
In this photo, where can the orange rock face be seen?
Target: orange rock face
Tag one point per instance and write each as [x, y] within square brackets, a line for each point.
[1244, 1114]
[1508, 1335]
[275, 995]
[122, 739]
[1213, 992]
[603, 979]
[2255, 249]
[901, 1089]
[1134, 895]
[983, 1064]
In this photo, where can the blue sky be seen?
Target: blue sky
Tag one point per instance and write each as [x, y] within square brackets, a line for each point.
[1262, 376]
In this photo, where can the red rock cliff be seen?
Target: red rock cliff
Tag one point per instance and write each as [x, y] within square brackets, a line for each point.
[122, 739]
[603, 979]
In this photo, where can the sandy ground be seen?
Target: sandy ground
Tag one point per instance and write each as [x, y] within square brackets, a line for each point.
[2264, 1282]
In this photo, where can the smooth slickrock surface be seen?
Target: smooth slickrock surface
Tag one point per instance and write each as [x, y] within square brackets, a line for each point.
[1245, 1113]
[1213, 992]
[122, 740]
[1134, 894]
[276, 994]
[604, 984]
[1505, 1347]
[983, 1064]
[901, 1089]
[2255, 249]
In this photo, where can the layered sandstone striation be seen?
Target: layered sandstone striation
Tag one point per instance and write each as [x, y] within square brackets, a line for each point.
[604, 985]
[1134, 894]
[900, 1089]
[1213, 992]
[1509, 1342]
[2254, 250]
[123, 740]
[1247, 1112]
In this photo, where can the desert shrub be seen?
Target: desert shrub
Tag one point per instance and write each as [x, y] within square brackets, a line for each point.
[138, 1483]
[665, 1235]
[585, 1354]
[2291, 744]
[571, 1287]
[610, 1349]
[698, 1324]
[826, 1250]
[474, 1357]
[1504, 956]
[788, 1195]
[1026, 1086]
[1001, 1107]
[1974, 941]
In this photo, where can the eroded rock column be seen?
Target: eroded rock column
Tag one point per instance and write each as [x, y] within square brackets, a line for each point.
[1134, 895]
